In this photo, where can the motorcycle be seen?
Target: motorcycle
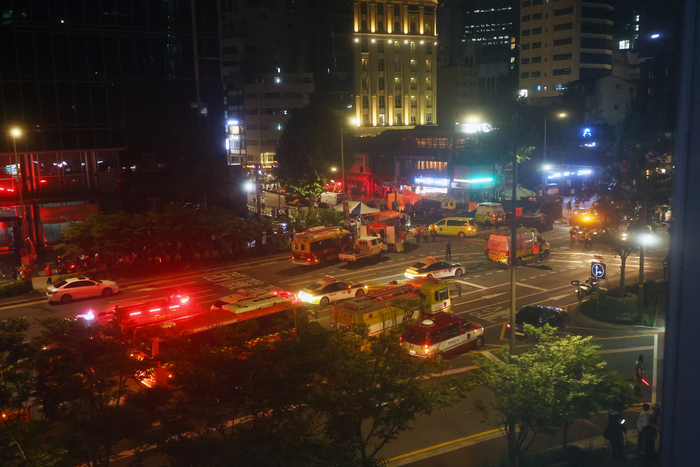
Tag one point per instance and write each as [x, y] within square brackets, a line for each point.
[589, 287]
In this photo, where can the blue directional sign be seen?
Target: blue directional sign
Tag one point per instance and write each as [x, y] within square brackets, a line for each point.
[598, 270]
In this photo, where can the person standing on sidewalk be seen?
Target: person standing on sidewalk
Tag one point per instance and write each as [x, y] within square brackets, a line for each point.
[448, 250]
[48, 273]
[615, 433]
[642, 422]
[424, 232]
[568, 207]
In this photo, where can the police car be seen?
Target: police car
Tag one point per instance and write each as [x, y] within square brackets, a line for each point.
[330, 290]
[432, 267]
[441, 333]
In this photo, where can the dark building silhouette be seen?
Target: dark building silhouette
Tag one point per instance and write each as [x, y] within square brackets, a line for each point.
[104, 93]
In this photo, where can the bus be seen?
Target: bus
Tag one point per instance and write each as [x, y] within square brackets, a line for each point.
[319, 245]
[259, 320]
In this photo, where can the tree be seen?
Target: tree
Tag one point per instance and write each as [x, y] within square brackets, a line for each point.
[16, 386]
[309, 145]
[82, 383]
[622, 248]
[584, 386]
[554, 383]
[309, 398]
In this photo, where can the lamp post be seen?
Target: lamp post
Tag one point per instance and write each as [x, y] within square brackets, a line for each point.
[16, 133]
[544, 151]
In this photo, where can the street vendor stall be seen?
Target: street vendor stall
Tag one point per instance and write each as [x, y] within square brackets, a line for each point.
[391, 225]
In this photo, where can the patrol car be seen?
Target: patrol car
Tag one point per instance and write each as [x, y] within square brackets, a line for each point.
[432, 267]
[330, 290]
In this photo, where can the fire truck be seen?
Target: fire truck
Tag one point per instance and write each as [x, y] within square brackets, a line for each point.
[379, 313]
[133, 313]
[270, 315]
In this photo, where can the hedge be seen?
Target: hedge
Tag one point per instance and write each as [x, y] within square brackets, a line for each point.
[613, 308]
[14, 288]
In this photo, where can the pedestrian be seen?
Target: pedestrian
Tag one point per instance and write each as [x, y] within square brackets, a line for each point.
[48, 273]
[577, 203]
[424, 232]
[448, 250]
[536, 252]
[416, 233]
[459, 289]
[615, 433]
[642, 422]
[433, 232]
[639, 374]
[21, 272]
[15, 274]
[588, 244]
[568, 206]
[650, 433]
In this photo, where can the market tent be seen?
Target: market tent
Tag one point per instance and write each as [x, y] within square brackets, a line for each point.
[521, 193]
[357, 208]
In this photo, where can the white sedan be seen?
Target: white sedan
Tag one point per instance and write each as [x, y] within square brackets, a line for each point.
[327, 291]
[434, 268]
[73, 288]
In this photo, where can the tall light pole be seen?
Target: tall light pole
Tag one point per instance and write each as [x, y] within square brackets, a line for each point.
[544, 151]
[16, 133]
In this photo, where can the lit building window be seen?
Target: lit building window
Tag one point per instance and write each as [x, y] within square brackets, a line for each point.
[624, 45]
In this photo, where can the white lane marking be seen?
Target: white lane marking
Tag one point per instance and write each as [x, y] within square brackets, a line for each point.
[505, 302]
[558, 297]
[166, 287]
[491, 356]
[486, 297]
[629, 349]
[470, 284]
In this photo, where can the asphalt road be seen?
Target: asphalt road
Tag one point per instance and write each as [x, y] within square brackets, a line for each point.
[485, 299]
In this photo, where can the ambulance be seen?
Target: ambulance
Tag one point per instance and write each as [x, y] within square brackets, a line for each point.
[530, 247]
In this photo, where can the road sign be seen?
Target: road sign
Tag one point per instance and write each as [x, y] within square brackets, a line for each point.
[23, 252]
[598, 270]
[518, 212]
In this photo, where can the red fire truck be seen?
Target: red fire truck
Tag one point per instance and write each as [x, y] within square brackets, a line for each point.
[269, 316]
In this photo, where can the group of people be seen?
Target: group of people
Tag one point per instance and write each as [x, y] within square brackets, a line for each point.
[574, 234]
[647, 433]
[23, 272]
[423, 231]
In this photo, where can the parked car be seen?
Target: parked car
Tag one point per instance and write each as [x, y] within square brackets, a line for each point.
[456, 226]
[539, 316]
[73, 288]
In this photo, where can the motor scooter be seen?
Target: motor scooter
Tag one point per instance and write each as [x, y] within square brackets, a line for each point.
[589, 287]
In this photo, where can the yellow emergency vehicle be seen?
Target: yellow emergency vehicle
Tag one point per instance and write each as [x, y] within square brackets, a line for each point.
[378, 310]
[530, 247]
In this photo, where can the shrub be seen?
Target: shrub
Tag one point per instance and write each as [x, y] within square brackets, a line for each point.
[14, 288]
[615, 309]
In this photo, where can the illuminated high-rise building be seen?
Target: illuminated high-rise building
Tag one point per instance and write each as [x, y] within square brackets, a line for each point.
[395, 44]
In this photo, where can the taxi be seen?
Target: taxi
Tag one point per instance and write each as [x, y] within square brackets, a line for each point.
[329, 290]
[432, 267]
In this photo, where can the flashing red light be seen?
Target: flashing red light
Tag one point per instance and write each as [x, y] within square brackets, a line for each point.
[43, 181]
[10, 189]
[308, 259]
[184, 299]
[154, 310]
[135, 313]
[2, 189]
[174, 306]
[426, 347]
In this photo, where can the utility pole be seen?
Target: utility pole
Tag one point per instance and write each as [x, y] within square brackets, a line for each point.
[513, 237]
[544, 157]
[342, 159]
[642, 248]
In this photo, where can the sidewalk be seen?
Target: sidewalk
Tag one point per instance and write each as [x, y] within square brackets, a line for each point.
[491, 447]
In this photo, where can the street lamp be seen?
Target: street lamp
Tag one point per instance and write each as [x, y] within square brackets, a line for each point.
[16, 133]
[544, 152]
